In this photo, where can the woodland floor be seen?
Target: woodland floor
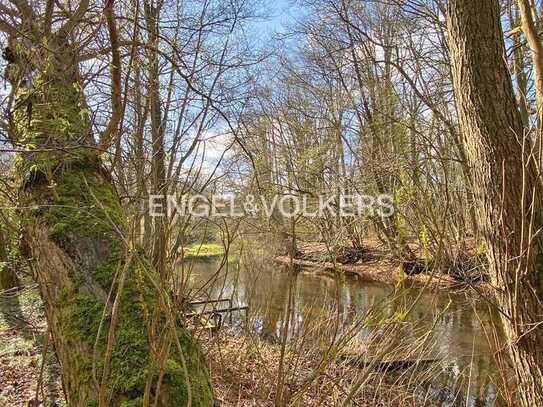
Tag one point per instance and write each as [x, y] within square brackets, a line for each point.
[243, 369]
[22, 333]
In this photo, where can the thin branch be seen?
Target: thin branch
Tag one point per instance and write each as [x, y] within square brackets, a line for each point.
[7, 28]
[8, 11]
[75, 18]
[25, 9]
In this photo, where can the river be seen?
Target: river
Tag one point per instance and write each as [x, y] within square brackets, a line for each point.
[459, 325]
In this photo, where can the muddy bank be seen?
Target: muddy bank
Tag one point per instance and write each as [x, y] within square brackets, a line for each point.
[382, 270]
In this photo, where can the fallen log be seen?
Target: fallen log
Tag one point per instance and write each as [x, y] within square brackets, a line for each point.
[387, 273]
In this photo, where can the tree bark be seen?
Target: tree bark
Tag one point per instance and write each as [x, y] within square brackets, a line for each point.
[507, 190]
[158, 169]
[76, 235]
[519, 67]
[8, 277]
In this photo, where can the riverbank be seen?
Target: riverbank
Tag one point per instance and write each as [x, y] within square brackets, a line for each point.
[374, 266]
[244, 369]
[203, 250]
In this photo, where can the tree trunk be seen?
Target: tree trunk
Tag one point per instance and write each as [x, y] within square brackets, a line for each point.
[158, 170]
[507, 189]
[8, 277]
[536, 48]
[76, 236]
[519, 67]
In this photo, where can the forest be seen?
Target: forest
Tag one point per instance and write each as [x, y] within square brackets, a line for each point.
[271, 203]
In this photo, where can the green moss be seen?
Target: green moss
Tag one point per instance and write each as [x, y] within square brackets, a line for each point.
[175, 376]
[105, 270]
[138, 402]
[51, 119]
[203, 250]
[79, 206]
[81, 317]
[86, 205]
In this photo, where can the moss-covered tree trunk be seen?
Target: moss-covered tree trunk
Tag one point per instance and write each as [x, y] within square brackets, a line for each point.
[75, 234]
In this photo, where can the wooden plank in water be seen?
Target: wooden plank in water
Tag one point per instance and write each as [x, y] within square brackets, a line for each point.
[218, 311]
[385, 366]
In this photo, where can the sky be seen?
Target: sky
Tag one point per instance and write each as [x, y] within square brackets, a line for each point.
[280, 14]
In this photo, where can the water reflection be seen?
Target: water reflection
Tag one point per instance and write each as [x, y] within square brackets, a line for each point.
[458, 326]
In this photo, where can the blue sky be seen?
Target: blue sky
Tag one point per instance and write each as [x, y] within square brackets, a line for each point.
[281, 13]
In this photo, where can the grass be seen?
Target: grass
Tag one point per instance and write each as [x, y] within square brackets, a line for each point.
[203, 250]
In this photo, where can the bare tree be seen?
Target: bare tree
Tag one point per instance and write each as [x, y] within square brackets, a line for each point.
[507, 185]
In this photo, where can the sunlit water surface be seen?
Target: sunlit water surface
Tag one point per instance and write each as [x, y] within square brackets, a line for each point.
[459, 326]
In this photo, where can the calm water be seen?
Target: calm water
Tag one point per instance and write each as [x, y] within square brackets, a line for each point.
[458, 324]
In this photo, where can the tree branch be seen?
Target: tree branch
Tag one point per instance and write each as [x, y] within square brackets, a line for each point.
[75, 18]
[24, 8]
[111, 131]
[8, 11]
[7, 28]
